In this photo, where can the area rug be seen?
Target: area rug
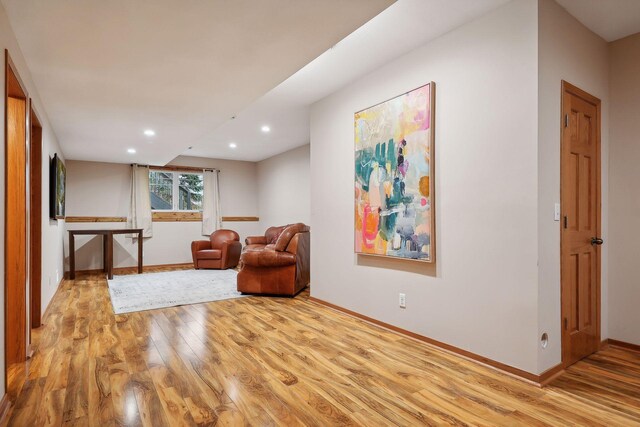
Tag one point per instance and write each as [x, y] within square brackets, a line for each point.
[138, 292]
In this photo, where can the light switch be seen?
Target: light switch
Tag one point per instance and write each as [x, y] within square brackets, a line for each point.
[556, 212]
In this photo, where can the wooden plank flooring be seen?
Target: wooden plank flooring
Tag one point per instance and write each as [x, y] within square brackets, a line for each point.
[279, 361]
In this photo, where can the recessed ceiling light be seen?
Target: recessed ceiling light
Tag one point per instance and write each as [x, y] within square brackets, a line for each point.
[131, 151]
[232, 145]
[266, 129]
[150, 132]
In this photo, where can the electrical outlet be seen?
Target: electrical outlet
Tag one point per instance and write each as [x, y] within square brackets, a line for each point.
[556, 212]
[402, 300]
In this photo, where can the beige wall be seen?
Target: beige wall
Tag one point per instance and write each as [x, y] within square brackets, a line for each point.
[275, 189]
[567, 51]
[624, 235]
[52, 231]
[482, 295]
[283, 187]
[103, 189]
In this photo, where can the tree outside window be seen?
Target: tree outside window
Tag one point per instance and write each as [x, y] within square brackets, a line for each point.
[191, 187]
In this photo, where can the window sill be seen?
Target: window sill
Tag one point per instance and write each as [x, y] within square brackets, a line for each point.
[174, 216]
[160, 217]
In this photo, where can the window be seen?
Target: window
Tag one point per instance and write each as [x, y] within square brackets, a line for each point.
[190, 188]
[175, 191]
[161, 188]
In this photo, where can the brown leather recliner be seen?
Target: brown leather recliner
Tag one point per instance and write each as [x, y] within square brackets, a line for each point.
[222, 250]
[276, 263]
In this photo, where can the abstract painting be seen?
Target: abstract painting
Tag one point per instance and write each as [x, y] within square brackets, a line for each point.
[57, 191]
[394, 171]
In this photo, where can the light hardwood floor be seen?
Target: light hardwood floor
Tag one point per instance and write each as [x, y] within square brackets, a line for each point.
[279, 361]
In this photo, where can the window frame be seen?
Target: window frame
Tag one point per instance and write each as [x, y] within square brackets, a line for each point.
[175, 189]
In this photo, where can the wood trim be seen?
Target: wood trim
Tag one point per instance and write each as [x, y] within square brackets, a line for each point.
[174, 168]
[575, 90]
[160, 217]
[71, 219]
[196, 217]
[622, 344]
[133, 269]
[550, 374]
[240, 219]
[16, 92]
[35, 219]
[539, 380]
[46, 310]
[30, 350]
[567, 87]
[433, 242]
[14, 310]
[176, 216]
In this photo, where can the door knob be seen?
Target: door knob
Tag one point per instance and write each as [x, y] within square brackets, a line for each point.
[596, 241]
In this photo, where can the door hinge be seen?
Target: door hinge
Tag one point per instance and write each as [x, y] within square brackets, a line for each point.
[565, 221]
[566, 323]
[566, 120]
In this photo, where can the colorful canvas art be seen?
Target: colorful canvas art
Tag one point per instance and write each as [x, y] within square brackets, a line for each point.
[57, 192]
[394, 158]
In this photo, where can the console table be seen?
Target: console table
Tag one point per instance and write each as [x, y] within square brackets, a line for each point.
[107, 248]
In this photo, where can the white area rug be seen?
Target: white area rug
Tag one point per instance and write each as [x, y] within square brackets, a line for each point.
[138, 292]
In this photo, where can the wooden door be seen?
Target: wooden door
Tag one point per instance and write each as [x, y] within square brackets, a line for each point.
[580, 236]
[16, 231]
[15, 217]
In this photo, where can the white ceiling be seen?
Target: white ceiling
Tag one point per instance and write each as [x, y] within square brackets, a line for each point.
[286, 108]
[108, 69]
[610, 19]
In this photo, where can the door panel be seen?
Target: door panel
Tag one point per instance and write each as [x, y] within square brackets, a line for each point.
[580, 197]
[16, 231]
[16, 217]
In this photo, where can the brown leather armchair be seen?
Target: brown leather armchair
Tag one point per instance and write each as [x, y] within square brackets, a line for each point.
[276, 263]
[222, 250]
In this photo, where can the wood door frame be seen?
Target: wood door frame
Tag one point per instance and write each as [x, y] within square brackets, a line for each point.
[576, 91]
[11, 68]
[35, 219]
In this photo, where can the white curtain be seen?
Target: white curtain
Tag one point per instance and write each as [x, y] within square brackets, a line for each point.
[211, 218]
[140, 208]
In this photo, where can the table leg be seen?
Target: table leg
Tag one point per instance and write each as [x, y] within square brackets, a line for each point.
[140, 252]
[110, 255]
[72, 256]
[105, 266]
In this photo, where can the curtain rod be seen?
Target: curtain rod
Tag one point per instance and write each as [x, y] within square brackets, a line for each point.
[178, 168]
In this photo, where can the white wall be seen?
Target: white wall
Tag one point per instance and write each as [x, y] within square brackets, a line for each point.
[482, 294]
[567, 51]
[283, 188]
[103, 189]
[52, 231]
[624, 198]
